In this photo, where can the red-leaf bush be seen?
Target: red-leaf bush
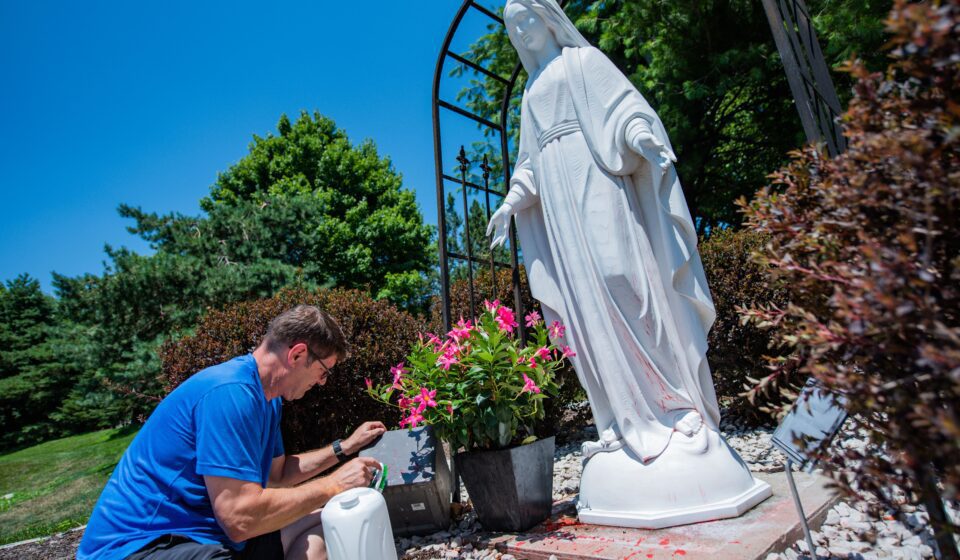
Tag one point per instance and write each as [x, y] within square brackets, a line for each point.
[379, 333]
[867, 246]
[739, 351]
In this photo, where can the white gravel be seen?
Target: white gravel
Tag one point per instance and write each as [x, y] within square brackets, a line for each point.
[847, 533]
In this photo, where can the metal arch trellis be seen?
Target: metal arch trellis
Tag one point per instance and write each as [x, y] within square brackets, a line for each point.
[807, 72]
[464, 166]
[810, 82]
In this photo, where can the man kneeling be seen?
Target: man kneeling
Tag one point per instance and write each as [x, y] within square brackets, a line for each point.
[207, 476]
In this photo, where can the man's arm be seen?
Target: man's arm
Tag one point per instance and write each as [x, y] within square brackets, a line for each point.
[245, 509]
[291, 470]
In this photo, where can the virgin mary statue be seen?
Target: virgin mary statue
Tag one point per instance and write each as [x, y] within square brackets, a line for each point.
[610, 251]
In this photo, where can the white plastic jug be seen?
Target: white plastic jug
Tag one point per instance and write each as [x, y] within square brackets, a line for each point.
[356, 526]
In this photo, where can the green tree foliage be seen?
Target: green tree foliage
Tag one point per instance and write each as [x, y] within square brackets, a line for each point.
[712, 71]
[479, 243]
[304, 208]
[121, 317]
[455, 241]
[28, 386]
[25, 315]
[360, 230]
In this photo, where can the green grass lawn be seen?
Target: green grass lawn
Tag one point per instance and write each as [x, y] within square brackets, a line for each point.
[54, 485]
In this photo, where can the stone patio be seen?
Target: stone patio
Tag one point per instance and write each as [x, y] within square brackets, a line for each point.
[771, 526]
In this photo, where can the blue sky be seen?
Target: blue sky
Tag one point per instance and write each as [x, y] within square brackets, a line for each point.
[103, 102]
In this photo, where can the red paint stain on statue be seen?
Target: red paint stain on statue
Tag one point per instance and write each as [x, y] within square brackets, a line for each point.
[665, 542]
[680, 552]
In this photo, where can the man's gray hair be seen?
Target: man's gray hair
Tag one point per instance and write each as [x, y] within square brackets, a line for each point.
[308, 324]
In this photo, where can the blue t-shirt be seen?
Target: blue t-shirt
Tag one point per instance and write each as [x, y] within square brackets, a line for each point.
[217, 423]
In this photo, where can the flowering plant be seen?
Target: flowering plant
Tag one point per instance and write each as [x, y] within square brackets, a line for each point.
[478, 385]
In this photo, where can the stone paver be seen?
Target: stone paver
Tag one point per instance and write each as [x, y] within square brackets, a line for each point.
[770, 526]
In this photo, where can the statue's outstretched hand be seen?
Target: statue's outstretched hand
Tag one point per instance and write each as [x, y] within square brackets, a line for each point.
[499, 226]
[646, 142]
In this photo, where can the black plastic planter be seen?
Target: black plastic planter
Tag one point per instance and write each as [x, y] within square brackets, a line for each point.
[511, 489]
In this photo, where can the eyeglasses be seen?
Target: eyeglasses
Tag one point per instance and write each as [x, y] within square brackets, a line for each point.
[313, 356]
[326, 370]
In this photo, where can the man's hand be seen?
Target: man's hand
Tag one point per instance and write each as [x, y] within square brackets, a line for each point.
[367, 432]
[356, 473]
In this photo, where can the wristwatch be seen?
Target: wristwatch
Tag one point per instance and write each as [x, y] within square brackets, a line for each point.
[338, 451]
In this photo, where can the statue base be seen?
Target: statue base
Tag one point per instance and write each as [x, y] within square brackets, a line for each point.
[697, 478]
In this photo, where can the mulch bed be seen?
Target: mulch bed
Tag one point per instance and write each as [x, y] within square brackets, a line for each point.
[62, 546]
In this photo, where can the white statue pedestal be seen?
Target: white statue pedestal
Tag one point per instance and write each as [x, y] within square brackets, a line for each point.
[698, 478]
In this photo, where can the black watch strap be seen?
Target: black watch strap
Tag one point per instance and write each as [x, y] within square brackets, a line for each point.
[338, 451]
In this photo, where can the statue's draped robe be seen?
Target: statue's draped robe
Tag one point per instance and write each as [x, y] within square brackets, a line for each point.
[610, 251]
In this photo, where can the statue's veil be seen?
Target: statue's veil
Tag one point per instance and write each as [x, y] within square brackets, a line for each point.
[559, 24]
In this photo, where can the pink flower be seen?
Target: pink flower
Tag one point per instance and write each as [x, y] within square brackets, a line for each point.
[491, 306]
[505, 319]
[433, 340]
[404, 402]
[425, 398]
[368, 382]
[460, 331]
[451, 348]
[568, 352]
[450, 409]
[447, 360]
[533, 319]
[533, 362]
[412, 420]
[398, 371]
[543, 353]
[529, 385]
[557, 330]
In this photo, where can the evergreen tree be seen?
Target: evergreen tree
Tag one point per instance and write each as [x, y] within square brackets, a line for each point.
[28, 389]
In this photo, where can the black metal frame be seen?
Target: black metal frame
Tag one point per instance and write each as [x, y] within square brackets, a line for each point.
[807, 72]
[464, 167]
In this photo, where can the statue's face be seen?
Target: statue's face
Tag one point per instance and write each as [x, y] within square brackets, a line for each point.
[526, 28]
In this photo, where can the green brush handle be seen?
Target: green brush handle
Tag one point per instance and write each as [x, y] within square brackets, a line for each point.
[379, 481]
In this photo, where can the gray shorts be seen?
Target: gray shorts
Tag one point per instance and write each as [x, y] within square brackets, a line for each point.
[178, 547]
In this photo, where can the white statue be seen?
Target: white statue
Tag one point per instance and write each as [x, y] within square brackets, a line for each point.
[610, 252]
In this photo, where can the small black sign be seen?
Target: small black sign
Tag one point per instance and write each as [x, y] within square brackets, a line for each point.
[813, 421]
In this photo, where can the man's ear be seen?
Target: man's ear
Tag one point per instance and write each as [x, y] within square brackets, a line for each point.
[297, 354]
